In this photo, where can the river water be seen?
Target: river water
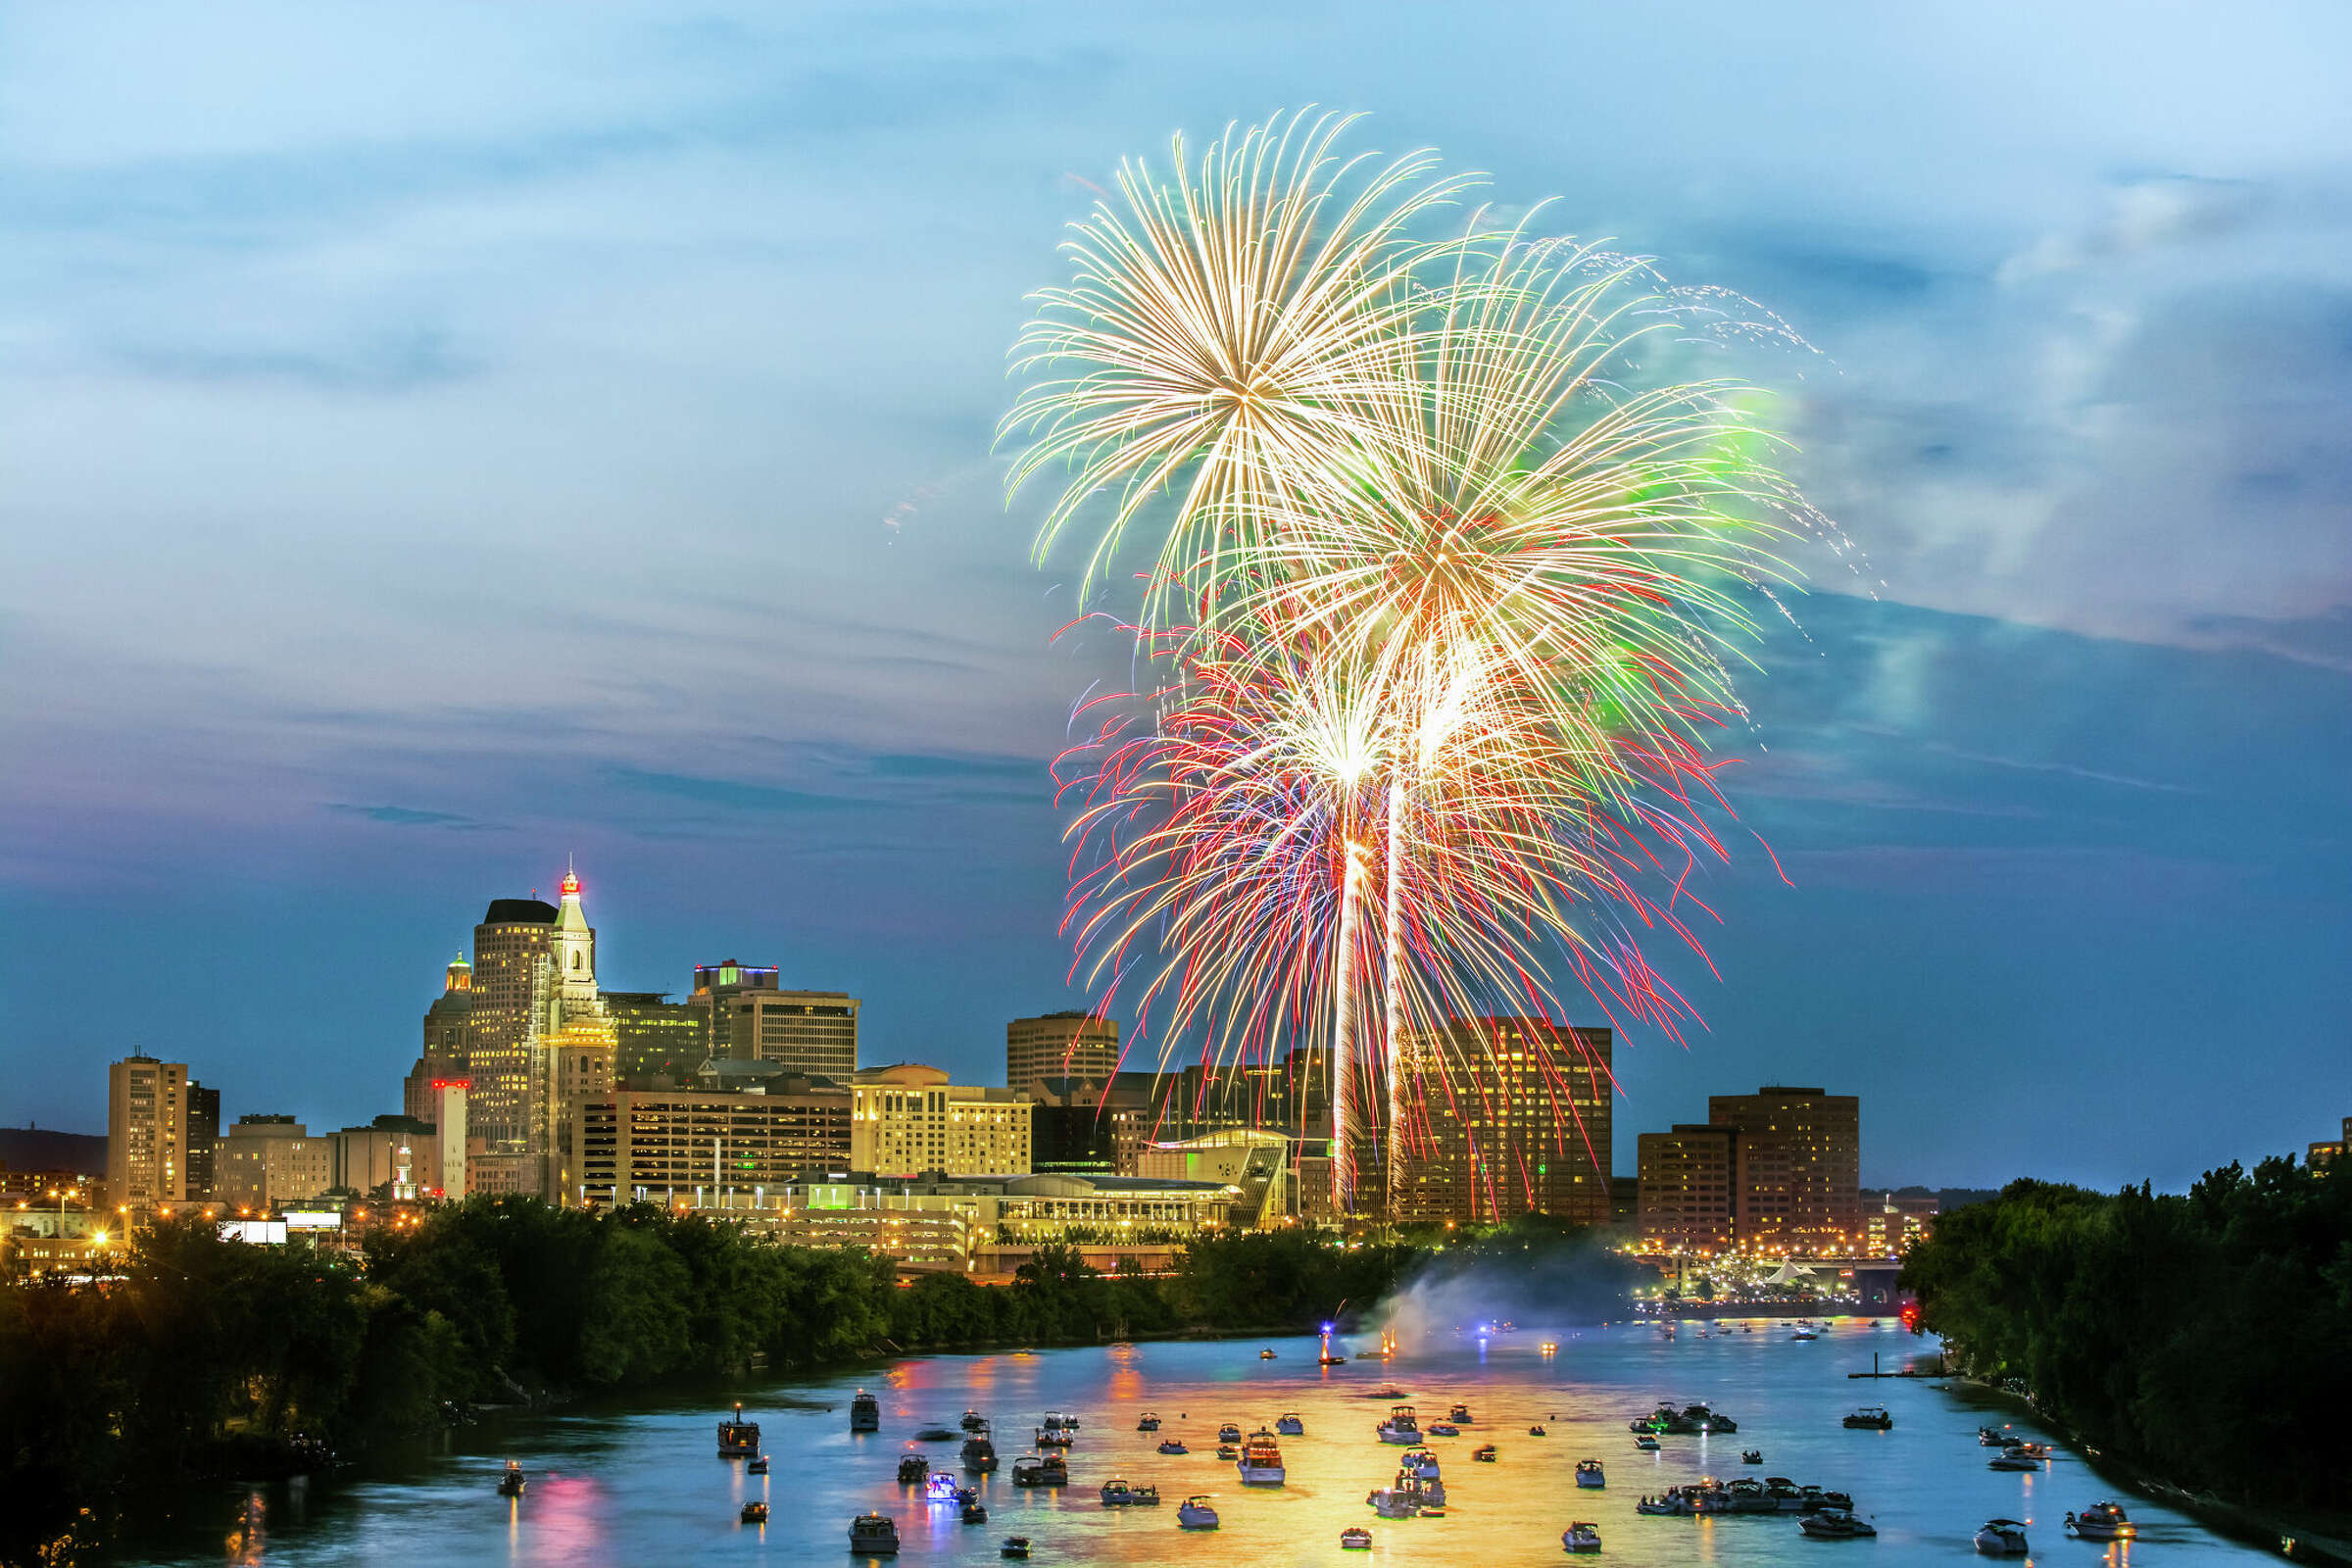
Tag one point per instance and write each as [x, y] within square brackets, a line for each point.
[639, 1483]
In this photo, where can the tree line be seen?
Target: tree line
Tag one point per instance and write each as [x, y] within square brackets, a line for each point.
[2205, 1337]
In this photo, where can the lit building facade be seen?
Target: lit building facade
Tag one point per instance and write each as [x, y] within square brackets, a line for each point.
[907, 1119]
[147, 1131]
[714, 1149]
[263, 1160]
[204, 1131]
[1685, 1195]
[1059, 1045]
[1506, 1116]
[657, 1043]
[513, 948]
[448, 1025]
[1799, 1183]
[748, 1019]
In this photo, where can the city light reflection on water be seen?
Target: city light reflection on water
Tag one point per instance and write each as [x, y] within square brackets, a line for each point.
[639, 1480]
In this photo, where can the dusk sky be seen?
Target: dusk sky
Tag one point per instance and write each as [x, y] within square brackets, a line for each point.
[437, 442]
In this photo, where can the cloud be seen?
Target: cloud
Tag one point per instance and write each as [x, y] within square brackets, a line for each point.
[410, 816]
[731, 794]
[2139, 215]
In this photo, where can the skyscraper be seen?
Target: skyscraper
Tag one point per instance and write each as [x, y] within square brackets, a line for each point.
[1688, 1193]
[203, 1128]
[1058, 1045]
[1800, 1166]
[513, 950]
[1521, 1123]
[656, 1041]
[147, 1131]
[447, 1024]
[751, 1019]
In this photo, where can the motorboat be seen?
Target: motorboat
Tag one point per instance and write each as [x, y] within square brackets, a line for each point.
[1355, 1538]
[1460, 1414]
[980, 1450]
[1387, 1391]
[1418, 1462]
[1041, 1470]
[1229, 1452]
[754, 1512]
[757, 1466]
[2002, 1538]
[1647, 1443]
[1871, 1418]
[1118, 1493]
[1673, 1506]
[865, 1412]
[1787, 1496]
[1588, 1474]
[2030, 1451]
[1401, 1426]
[1056, 1421]
[913, 1469]
[2101, 1521]
[1581, 1537]
[1691, 1418]
[943, 1486]
[1484, 1454]
[1260, 1462]
[941, 1434]
[1993, 1438]
[1055, 1437]
[511, 1483]
[2017, 1458]
[1229, 1433]
[1391, 1503]
[874, 1534]
[1815, 1500]
[1195, 1513]
[738, 1439]
[975, 1512]
[1443, 1429]
[1425, 1486]
[1331, 1359]
[1536, 1431]
[1805, 1330]
[1174, 1445]
[1290, 1426]
[1751, 1457]
[972, 1421]
[1266, 1355]
[1149, 1422]
[1014, 1547]
[1834, 1524]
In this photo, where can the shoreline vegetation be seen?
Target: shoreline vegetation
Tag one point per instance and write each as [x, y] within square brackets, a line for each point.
[209, 1359]
[2198, 1345]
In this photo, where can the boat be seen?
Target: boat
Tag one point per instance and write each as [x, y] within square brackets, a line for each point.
[1195, 1513]
[1036, 1470]
[874, 1534]
[1260, 1462]
[1355, 1538]
[738, 1439]
[1804, 1331]
[1055, 1437]
[1580, 1536]
[1014, 1547]
[1418, 1462]
[1229, 1433]
[1266, 1355]
[1536, 1431]
[1391, 1503]
[2028, 1451]
[1817, 1500]
[941, 1434]
[1484, 1454]
[913, 1469]
[1751, 1457]
[1699, 1417]
[1647, 1443]
[1230, 1452]
[1056, 1421]
[1788, 1497]
[1118, 1493]
[2101, 1521]
[1150, 1422]
[1588, 1474]
[1460, 1414]
[754, 1512]
[511, 1483]
[865, 1413]
[1993, 1438]
[1871, 1418]
[2002, 1538]
[1443, 1429]
[2017, 1458]
[1550, 1348]
[1400, 1427]
[943, 1486]
[1290, 1426]
[1673, 1506]
[1174, 1445]
[972, 1421]
[1327, 1358]
[757, 1466]
[980, 1450]
[975, 1511]
[1834, 1524]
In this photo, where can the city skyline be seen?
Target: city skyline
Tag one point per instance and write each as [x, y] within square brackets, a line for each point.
[493, 458]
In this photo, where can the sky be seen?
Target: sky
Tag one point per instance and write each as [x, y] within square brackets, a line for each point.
[437, 442]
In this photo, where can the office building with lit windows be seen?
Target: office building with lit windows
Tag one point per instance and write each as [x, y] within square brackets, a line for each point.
[1799, 1178]
[907, 1119]
[263, 1160]
[1505, 1116]
[509, 979]
[1687, 1198]
[147, 1131]
[1058, 1046]
[709, 1148]
[657, 1043]
[751, 1019]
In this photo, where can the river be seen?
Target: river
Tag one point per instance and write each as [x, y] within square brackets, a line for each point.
[638, 1481]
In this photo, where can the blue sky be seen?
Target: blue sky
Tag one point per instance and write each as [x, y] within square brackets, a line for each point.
[437, 441]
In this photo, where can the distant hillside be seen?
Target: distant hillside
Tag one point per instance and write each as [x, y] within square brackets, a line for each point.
[40, 1149]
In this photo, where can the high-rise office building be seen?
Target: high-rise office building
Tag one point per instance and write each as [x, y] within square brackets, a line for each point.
[1799, 1182]
[263, 1160]
[722, 1149]
[1688, 1193]
[147, 1131]
[1058, 1045]
[204, 1130]
[447, 1025]
[655, 1041]
[751, 1019]
[1505, 1116]
[513, 951]
[908, 1119]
